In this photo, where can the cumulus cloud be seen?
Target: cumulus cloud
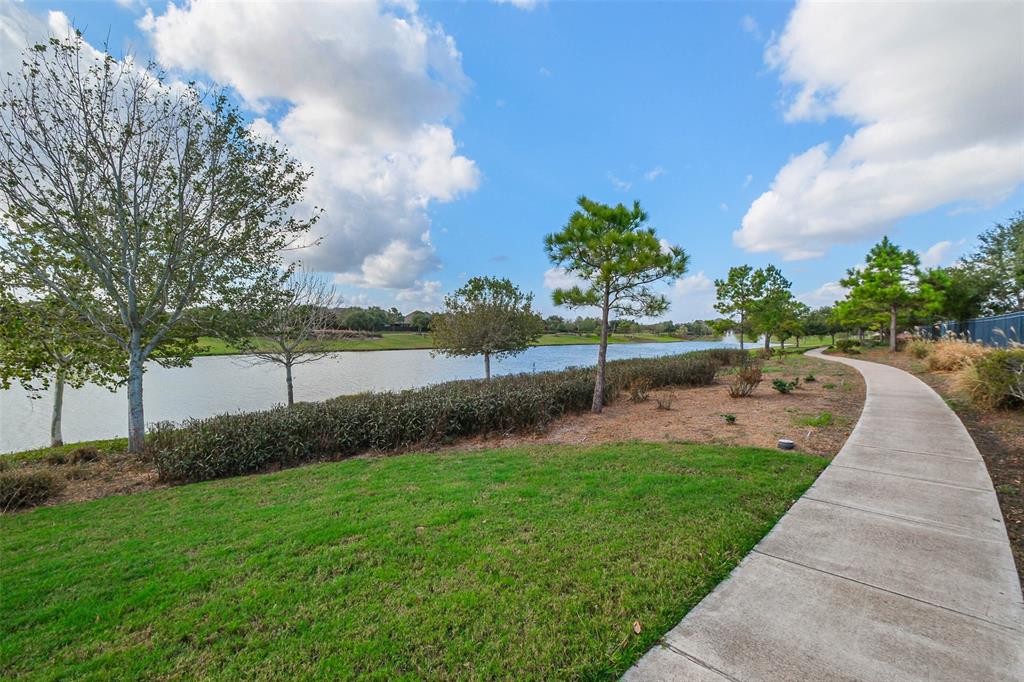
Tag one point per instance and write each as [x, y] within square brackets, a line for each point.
[937, 95]
[749, 25]
[939, 253]
[692, 298]
[558, 278]
[361, 92]
[426, 295]
[827, 294]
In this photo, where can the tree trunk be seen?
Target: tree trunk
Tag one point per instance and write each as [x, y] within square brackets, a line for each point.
[798, 342]
[892, 329]
[288, 380]
[833, 335]
[487, 366]
[56, 438]
[743, 328]
[602, 352]
[136, 416]
[860, 334]
[767, 341]
[782, 343]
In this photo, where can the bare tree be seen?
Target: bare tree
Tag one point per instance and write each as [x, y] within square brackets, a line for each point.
[136, 201]
[291, 332]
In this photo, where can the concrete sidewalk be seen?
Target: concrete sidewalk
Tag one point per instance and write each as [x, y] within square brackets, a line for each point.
[894, 565]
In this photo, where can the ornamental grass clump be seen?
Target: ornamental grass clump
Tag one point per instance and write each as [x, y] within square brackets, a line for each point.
[233, 444]
[951, 354]
[994, 380]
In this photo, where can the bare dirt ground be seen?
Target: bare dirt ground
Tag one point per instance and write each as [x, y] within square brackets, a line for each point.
[818, 416]
[999, 435]
[697, 414]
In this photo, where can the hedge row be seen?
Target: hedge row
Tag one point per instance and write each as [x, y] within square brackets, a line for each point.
[232, 444]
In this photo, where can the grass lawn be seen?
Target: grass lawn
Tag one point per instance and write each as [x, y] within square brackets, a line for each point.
[520, 563]
[413, 341]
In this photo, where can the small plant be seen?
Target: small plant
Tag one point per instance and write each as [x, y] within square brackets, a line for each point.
[746, 380]
[56, 458]
[810, 379]
[823, 419]
[22, 489]
[783, 386]
[729, 418]
[640, 390]
[828, 385]
[664, 403]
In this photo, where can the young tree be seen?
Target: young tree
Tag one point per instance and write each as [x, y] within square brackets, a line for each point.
[287, 331]
[772, 304]
[735, 296]
[890, 283]
[618, 259]
[998, 264]
[137, 202]
[45, 345]
[487, 316]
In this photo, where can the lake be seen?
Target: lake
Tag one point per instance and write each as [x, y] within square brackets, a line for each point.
[215, 385]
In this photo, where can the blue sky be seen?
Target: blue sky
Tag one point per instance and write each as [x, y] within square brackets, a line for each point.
[486, 120]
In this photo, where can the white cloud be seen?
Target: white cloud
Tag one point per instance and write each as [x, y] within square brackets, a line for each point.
[723, 207]
[937, 93]
[827, 294]
[692, 298]
[544, 71]
[619, 183]
[654, 173]
[557, 278]
[367, 92]
[939, 253]
[426, 295]
[749, 24]
[747, 180]
[521, 4]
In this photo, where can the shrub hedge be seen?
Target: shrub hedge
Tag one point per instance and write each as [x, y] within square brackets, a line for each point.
[232, 444]
[995, 379]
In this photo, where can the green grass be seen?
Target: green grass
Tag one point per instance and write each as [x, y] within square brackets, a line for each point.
[109, 446]
[517, 564]
[414, 341]
[823, 419]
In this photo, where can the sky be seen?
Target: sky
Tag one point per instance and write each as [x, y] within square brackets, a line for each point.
[447, 139]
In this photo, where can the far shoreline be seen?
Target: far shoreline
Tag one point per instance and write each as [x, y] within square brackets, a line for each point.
[400, 341]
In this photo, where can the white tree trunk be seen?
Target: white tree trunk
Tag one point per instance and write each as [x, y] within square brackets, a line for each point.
[136, 416]
[56, 437]
[487, 366]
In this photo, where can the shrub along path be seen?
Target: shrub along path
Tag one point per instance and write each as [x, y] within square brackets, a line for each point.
[536, 563]
[894, 565]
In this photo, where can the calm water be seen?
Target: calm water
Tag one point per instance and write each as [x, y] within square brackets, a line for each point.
[230, 384]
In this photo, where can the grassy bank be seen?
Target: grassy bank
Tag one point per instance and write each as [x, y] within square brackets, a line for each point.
[414, 341]
[526, 562]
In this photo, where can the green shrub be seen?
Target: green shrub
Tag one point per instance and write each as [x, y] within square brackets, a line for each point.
[21, 489]
[847, 345]
[729, 418]
[810, 379]
[232, 444]
[995, 379]
[783, 386]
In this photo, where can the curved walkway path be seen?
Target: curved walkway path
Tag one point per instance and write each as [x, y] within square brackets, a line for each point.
[895, 565]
